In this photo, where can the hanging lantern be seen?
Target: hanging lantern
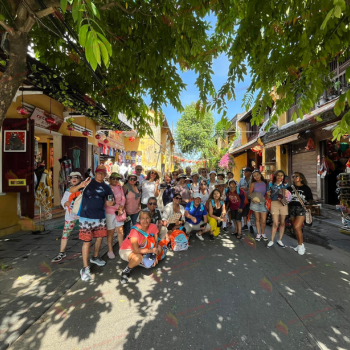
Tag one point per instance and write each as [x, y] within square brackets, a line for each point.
[70, 127]
[85, 133]
[97, 136]
[22, 110]
[311, 145]
[105, 141]
[51, 121]
[131, 139]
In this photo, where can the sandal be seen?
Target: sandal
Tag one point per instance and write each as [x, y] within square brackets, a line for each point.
[239, 236]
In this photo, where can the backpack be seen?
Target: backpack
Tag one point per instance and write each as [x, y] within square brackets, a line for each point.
[71, 199]
[178, 240]
[150, 243]
[246, 201]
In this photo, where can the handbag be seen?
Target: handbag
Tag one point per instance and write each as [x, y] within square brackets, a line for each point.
[308, 216]
[78, 202]
[122, 217]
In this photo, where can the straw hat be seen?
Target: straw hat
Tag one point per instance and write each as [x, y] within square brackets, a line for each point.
[221, 183]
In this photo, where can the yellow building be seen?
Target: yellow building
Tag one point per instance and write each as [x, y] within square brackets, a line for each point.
[156, 151]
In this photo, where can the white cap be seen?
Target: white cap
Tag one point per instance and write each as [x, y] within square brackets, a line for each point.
[196, 195]
[212, 172]
[75, 173]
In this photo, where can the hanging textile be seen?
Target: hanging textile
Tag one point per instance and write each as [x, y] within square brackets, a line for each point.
[95, 161]
[44, 194]
[66, 169]
[76, 155]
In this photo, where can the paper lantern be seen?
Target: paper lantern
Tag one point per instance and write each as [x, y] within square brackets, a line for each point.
[22, 110]
[49, 120]
[105, 141]
[97, 136]
[85, 133]
[70, 127]
[131, 139]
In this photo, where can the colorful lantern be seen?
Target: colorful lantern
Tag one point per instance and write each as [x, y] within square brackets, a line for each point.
[49, 120]
[97, 136]
[85, 133]
[131, 139]
[22, 110]
[105, 141]
[70, 127]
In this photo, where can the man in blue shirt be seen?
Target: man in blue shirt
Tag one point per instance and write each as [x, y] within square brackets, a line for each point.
[196, 217]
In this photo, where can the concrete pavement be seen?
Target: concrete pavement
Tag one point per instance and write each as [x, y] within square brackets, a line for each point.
[228, 294]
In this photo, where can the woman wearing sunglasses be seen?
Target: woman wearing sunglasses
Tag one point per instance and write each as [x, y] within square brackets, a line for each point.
[203, 191]
[296, 210]
[112, 212]
[70, 219]
[149, 188]
[173, 214]
[132, 202]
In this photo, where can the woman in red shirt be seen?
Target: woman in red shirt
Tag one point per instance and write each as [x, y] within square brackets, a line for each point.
[235, 201]
[135, 245]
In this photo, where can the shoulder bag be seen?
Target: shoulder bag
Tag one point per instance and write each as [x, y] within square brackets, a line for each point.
[308, 216]
[78, 202]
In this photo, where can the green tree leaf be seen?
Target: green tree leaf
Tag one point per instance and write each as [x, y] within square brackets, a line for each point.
[82, 34]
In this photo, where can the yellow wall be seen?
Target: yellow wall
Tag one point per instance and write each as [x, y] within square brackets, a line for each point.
[8, 210]
[282, 119]
[243, 127]
[240, 162]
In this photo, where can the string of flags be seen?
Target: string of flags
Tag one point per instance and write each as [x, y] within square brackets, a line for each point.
[183, 160]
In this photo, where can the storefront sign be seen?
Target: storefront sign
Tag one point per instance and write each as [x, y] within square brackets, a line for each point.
[39, 116]
[17, 182]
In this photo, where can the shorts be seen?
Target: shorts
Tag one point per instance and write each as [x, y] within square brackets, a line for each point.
[124, 254]
[236, 215]
[296, 210]
[112, 222]
[258, 207]
[92, 228]
[191, 227]
[246, 210]
[68, 228]
[278, 209]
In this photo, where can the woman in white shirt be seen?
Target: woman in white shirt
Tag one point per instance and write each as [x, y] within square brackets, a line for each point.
[212, 181]
[150, 187]
[174, 208]
[203, 191]
[195, 184]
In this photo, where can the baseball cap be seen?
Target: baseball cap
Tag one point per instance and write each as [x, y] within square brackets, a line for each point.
[247, 169]
[75, 173]
[196, 195]
[101, 169]
[212, 172]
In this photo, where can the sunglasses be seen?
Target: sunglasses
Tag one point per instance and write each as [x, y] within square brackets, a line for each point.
[203, 184]
[138, 169]
[75, 177]
[296, 176]
[152, 203]
[179, 198]
[152, 173]
[132, 179]
[114, 178]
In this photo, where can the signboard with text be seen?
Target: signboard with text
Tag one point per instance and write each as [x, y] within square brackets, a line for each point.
[39, 116]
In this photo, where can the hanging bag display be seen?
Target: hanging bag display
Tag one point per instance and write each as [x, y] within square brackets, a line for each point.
[308, 216]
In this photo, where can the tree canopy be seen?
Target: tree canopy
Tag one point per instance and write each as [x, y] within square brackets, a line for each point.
[287, 45]
[192, 134]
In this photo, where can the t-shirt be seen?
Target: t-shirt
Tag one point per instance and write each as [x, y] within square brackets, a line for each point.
[198, 212]
[305, 194]
[235, 200]
[205, 196]
[168, 194]
[244, 183]
[184, 192]
[132, 202]
[140, 237]
[211, 186]
[275, 189]
[148, 189]
[94, 197]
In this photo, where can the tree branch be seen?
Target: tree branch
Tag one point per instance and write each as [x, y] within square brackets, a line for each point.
[6, 27]
[45, 12]
[112, 4]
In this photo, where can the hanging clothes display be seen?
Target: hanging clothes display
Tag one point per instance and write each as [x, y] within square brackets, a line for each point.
[95, 161]
[65, 170]
[76, 155]
[44, 194]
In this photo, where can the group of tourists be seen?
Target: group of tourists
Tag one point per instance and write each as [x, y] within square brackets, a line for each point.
[143, 211]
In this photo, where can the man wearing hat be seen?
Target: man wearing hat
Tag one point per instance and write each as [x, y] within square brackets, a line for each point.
[220, 175]
[196, 217]
[92, 221]
[70, 218]
[244, 184]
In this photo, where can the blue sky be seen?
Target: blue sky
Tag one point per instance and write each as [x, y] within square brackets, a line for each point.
[191, 94]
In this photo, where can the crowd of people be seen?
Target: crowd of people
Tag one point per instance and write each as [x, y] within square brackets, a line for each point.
[140, 207]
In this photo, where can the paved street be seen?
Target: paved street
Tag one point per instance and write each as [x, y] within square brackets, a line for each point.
[224, 295]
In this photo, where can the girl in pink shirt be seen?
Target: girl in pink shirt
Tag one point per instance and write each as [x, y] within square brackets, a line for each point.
[112, 211]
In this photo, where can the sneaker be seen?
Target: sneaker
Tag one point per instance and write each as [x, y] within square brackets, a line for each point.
[111, 255]
[125, 278]
[225, 229]
[59, 257]
[270, 244]
[245, 228]
[85, 274]
[199, 237]
[300, 249]
[251, 229]
[97, 261]
[280, 243]
[258, 237]
[211, 237]
[264, 237]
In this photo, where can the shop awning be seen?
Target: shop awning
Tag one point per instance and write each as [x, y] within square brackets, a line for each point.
[282, 141]
[243, 148]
